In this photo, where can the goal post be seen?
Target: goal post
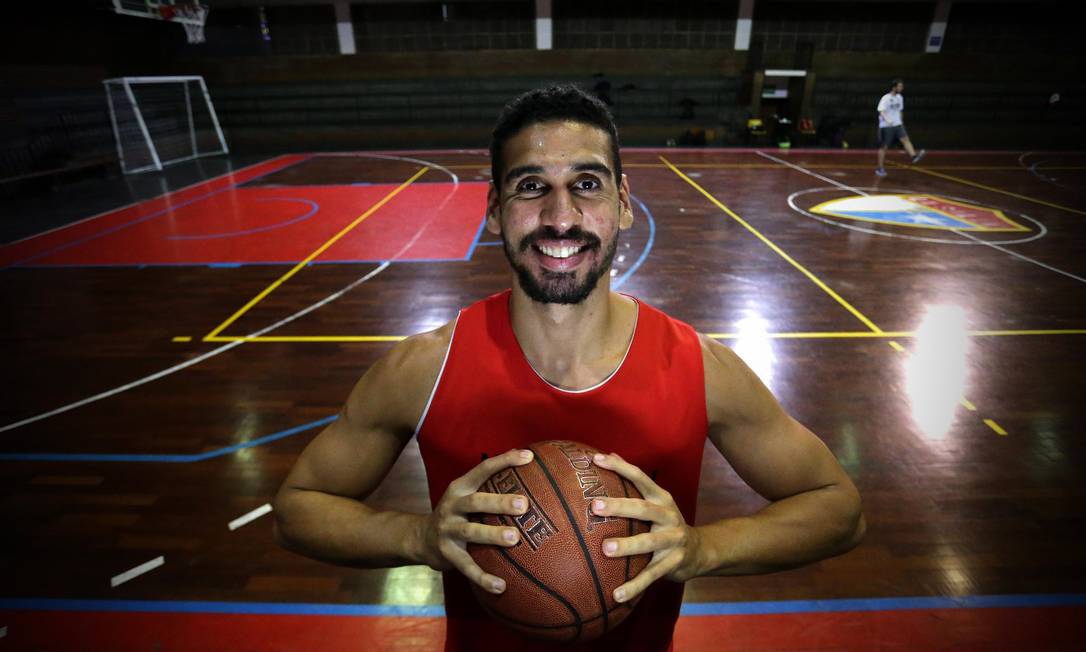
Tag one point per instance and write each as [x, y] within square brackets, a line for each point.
[158, 121]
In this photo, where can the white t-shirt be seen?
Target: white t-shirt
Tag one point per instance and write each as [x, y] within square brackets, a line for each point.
[891, 105]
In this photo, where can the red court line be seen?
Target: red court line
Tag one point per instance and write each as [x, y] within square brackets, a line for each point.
[1034, 629]
[89, 227]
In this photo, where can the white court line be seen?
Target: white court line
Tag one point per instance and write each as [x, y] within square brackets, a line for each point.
[250, 517]
[194, 361]
[828, 180]
[955, 231]
[146, 567]
[226, 347]
[1020, 256]
[137, 203]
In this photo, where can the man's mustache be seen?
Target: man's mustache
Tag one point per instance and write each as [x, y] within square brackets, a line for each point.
[551, 233]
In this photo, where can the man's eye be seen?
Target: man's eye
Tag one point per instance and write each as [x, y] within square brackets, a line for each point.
[587, 184]
[529, 186]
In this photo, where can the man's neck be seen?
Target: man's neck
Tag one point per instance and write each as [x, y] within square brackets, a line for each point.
[574, 346]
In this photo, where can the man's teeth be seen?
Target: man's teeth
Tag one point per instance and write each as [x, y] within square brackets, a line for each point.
[559, 252]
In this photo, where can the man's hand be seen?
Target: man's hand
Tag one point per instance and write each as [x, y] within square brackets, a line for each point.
[448, 530]
[672, 542]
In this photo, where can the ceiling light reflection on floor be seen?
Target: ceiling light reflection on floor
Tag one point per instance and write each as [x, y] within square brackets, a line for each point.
[935, 373]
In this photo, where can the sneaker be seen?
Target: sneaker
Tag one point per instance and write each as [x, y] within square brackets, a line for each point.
[880, 172]
[919, 155]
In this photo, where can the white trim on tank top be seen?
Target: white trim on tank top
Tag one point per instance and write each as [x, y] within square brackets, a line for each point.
[440, 373]
[629, 345]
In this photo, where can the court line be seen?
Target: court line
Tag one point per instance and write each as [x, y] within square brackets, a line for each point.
[188, 363]
[800, 335]
[133, 573]
[959, 232]
[136, 203]
[249, 517]
[825, 288]
[167, 458]
[324, 247]
[1028, 600]
[313, 208]
[897, 347]
[988, 188]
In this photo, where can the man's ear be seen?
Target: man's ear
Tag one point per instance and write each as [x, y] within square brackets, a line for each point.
[493, 210]
[625, 220]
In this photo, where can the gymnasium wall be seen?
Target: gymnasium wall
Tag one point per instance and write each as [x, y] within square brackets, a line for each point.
[424, 77]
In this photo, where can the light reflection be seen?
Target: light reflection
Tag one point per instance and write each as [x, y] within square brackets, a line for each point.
[935, 373]
[410, 586]
[754, 346]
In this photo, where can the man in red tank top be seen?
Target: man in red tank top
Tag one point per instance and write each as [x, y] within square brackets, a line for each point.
[561, 356]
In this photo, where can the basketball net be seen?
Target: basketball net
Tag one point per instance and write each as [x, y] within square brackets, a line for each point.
[191, 15]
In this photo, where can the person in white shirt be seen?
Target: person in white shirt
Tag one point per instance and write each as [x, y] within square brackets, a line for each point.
[891, 127]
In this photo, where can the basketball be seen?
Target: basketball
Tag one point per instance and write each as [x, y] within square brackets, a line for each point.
[559, 584]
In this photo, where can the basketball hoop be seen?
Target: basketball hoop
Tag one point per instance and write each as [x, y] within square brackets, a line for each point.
[191, 15]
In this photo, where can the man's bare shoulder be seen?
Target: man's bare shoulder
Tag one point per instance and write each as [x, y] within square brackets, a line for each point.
[733, 393]
[394, 391]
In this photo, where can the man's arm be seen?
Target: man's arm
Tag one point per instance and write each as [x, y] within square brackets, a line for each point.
[814, 510]
[318, 510]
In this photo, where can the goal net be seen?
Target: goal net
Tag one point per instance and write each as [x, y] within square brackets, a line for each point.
[162, 120]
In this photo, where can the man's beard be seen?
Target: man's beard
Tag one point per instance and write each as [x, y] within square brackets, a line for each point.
[559, 287]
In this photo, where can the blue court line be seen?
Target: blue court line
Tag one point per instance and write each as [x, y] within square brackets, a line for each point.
[475, 242]
[171, 207]
[644, 253]
[177, 459]
[313, 208]
[882, 604]
[688, 609]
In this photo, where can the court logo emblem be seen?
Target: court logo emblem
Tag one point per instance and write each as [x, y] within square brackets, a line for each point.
[919, 211]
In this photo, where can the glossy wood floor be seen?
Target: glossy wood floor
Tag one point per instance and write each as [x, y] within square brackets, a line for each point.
[944, 368]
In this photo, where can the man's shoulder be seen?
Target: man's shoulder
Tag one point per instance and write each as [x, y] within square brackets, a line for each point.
[420, 353]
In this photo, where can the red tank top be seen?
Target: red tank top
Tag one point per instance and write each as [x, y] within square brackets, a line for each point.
[489, 399]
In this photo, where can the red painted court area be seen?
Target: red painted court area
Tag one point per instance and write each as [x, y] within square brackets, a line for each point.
[218, 222]
[988, 629]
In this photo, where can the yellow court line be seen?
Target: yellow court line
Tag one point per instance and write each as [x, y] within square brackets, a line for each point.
[294, 270]
[995, 426]
[967, 404]
[310, 338]
[825, 166]
[933, 173]
[856, 313]
[810, 335]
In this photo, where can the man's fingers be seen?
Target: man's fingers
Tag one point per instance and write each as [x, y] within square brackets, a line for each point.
[656, 569]
[473, 479]
[466, 565]
[484, 503]
[642, 510]
[641, 543]
[495, 535]
[648, 488]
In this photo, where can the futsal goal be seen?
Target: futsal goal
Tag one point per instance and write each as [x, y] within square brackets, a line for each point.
[162, 120]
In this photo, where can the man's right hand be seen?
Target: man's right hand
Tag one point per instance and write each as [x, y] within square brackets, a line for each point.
[448, 529]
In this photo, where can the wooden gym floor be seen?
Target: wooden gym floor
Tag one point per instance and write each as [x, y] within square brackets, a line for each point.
[165, 362]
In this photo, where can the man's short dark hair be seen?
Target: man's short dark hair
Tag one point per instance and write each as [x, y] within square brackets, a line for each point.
[554, 103]
[897, 81]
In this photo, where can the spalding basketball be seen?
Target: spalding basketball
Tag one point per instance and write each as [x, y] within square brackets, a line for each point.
[559, 584]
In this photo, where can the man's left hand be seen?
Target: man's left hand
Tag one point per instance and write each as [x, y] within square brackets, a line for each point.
[672, 543]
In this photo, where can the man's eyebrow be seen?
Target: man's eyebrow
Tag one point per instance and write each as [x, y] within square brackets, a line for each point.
[521, 171]
[592, 167]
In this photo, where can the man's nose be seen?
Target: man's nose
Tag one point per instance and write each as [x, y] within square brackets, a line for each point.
[560, 211]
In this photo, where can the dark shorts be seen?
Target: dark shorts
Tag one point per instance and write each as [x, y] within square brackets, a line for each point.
[889, 135]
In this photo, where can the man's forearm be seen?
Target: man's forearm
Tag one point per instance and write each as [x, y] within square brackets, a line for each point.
[787, 533]
[344, 531]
